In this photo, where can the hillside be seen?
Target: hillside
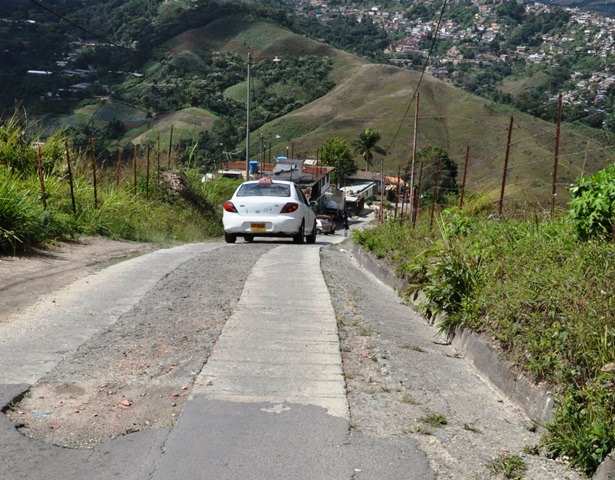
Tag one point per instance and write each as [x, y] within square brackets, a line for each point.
[379, 96]
[183, 72]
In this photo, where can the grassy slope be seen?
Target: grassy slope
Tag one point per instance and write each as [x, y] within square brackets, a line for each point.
[187, 123]
[378, 97]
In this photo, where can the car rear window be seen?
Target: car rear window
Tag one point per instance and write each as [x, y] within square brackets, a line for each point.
[264, 190]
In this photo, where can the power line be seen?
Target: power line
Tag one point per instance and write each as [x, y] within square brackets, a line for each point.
[433, 43]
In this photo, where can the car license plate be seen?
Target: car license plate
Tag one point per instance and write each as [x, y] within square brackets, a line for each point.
[258, 227]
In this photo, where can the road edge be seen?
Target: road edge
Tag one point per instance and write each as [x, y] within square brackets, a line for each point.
[535, 401]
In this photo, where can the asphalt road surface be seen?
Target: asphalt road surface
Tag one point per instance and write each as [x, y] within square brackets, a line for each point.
[269, 402]
[286, 357]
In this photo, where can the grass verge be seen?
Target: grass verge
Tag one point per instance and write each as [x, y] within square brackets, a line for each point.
[546, 296]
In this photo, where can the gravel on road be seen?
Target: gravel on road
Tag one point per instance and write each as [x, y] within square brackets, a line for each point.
[138, 373]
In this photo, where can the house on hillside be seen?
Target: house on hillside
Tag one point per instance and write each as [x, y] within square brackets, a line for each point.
[362, 177]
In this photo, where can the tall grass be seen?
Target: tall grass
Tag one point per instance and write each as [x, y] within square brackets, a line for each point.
[545, 296]
[121, 211]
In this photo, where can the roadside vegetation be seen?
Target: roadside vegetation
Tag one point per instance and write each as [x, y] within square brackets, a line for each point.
[178, 208]
[541, 287]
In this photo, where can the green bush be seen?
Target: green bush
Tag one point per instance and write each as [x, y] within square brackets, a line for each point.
[592, 207]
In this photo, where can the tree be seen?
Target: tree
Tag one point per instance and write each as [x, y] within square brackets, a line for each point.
[335, 152]
[511, 13]
[366, 145]
[447, 178]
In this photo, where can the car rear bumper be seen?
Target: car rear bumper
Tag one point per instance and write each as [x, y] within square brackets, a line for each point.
[261, 226]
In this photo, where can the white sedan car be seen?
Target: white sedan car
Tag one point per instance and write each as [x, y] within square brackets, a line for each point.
[269, 208]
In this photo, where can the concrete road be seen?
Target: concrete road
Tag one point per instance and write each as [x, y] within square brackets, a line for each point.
[269, 404]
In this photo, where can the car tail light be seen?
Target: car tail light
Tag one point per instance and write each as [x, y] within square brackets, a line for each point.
[229, 207]
[290, 207]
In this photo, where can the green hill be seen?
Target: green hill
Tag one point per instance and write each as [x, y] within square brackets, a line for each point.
[379, 97]
[364, 96]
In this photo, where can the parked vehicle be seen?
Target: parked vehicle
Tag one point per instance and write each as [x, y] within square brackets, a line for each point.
[328, 223]
[323, 226]
[269, 208]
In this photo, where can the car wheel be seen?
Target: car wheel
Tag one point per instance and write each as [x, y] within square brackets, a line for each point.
[230, 237]
[311, 238]
[248, 238]
[300, 237]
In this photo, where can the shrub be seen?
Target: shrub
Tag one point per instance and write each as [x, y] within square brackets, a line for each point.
[592, 207]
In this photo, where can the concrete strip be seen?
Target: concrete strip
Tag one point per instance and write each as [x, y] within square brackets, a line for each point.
[281, 344]
[35, 343]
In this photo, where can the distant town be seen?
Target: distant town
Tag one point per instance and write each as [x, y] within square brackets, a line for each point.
[587, 33]
[478, 41]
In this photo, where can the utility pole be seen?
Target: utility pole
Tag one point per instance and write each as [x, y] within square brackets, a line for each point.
[556, 159]
[510, 127]
[416, 121]
[248, 120]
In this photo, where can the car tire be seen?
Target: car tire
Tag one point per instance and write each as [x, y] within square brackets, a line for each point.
[300, 236]
[230, 237]
[311, 238]
[249, 238]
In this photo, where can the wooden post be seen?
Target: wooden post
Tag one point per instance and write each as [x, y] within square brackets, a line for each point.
[158, 161]
[134, 169]
[41, 175]
[147, 173]
[397, 192]
[70, 178]
[501, 207]
[119, 166]
[170, 147]
[381, 213]
[435, 192]
[465, 173]
[556, 159]
[418, 196]
[94, 172]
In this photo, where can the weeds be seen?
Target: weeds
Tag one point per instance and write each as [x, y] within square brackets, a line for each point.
[414, 348]
[509, 466]
[470, 428]
[365, 330]
[531, 449]
[120, 211]
[421, 429]
[435, 421]
[406, 397]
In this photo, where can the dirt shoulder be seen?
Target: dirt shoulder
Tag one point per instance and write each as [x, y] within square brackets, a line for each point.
[25, 279]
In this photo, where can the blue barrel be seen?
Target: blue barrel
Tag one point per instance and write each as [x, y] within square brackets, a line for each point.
[253, 166]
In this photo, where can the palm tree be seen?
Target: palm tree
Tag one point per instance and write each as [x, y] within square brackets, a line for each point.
[366, 146]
